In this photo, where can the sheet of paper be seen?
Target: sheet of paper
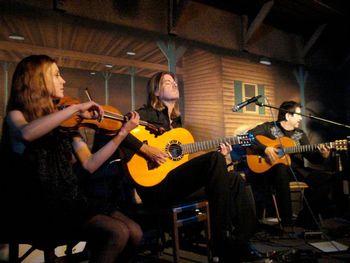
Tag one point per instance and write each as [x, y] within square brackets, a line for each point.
[329, 246]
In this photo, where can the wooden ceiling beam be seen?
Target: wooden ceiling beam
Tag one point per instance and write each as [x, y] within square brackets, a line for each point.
[80, 56]
[258, 20]
[175, 9]
[316, 35]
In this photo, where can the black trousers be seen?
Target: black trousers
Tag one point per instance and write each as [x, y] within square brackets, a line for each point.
[221, 190]
[277, 179]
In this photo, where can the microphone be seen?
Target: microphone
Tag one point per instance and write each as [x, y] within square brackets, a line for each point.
[245, 103]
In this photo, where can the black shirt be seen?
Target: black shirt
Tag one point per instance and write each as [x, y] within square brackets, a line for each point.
[159, 118]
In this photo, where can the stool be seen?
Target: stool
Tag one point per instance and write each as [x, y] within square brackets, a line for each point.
[201, 213]
[295, 187]
[297, 195]
[276, 209]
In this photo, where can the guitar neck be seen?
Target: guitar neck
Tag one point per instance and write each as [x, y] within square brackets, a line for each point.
[207, 145]
[306, 148]
[144, 123]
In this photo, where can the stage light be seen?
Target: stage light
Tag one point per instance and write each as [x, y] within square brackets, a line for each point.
[265, 61]
[16, 36]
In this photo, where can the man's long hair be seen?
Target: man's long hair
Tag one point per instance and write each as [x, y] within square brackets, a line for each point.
[153, 85]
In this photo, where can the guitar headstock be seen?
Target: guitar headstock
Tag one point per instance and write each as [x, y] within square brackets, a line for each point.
[340, 145]
[245, 139]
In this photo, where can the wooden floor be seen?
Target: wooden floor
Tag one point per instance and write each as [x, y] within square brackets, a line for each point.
[271, 242]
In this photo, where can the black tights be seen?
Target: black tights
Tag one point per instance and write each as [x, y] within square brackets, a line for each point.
[112, 238]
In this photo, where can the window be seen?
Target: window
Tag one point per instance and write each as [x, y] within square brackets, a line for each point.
[250, 90]
[244, 91]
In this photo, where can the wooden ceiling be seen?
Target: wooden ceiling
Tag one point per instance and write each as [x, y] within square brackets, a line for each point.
[90, 44]
[78, 43]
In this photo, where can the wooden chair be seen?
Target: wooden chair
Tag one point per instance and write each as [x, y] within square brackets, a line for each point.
[297, 194]
[200, 213]
[162, 226]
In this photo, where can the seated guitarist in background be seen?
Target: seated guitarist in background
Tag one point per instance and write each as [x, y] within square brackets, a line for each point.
[279, 175]
[224, 191]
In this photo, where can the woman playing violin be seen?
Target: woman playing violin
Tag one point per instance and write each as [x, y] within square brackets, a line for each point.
[46, 157]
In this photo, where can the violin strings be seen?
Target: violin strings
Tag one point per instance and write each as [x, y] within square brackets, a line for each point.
[113, 115]
[116, 116]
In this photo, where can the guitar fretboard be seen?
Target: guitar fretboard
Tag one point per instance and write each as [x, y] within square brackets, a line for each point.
[306, 148]
[207, 145]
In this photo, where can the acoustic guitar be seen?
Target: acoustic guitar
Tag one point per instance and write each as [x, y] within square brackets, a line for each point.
[178, 143]
[285, 146]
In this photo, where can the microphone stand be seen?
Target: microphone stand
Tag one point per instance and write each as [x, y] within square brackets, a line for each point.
[308, 116]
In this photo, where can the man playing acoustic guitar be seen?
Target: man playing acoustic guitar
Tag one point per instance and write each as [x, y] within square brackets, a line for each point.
[269, 161]
[164, 178]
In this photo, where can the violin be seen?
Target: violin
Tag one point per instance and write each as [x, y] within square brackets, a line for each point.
[110, 124]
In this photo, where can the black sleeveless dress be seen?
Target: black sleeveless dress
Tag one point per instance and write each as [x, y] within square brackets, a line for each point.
[52, 192]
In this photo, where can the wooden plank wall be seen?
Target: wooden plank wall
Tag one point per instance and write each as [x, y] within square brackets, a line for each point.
[203, 114]
[209, 92]
[245, 71]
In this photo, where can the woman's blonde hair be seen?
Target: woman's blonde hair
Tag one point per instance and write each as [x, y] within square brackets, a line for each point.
[153, 100]
[32, 87]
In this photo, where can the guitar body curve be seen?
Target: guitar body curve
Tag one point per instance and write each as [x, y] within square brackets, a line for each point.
[145, 172]
[259, 164]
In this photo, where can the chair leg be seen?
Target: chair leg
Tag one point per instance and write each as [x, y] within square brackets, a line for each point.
[176, 246]
[264, 214]
[14, 252]
[49, 255]
[208, 232]
[277, 211]
[276, 208]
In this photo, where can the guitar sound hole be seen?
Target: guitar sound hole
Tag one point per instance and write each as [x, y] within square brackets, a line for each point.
[175, 150]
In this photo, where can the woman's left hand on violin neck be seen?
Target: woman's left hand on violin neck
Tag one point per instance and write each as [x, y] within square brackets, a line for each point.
[132, 123]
